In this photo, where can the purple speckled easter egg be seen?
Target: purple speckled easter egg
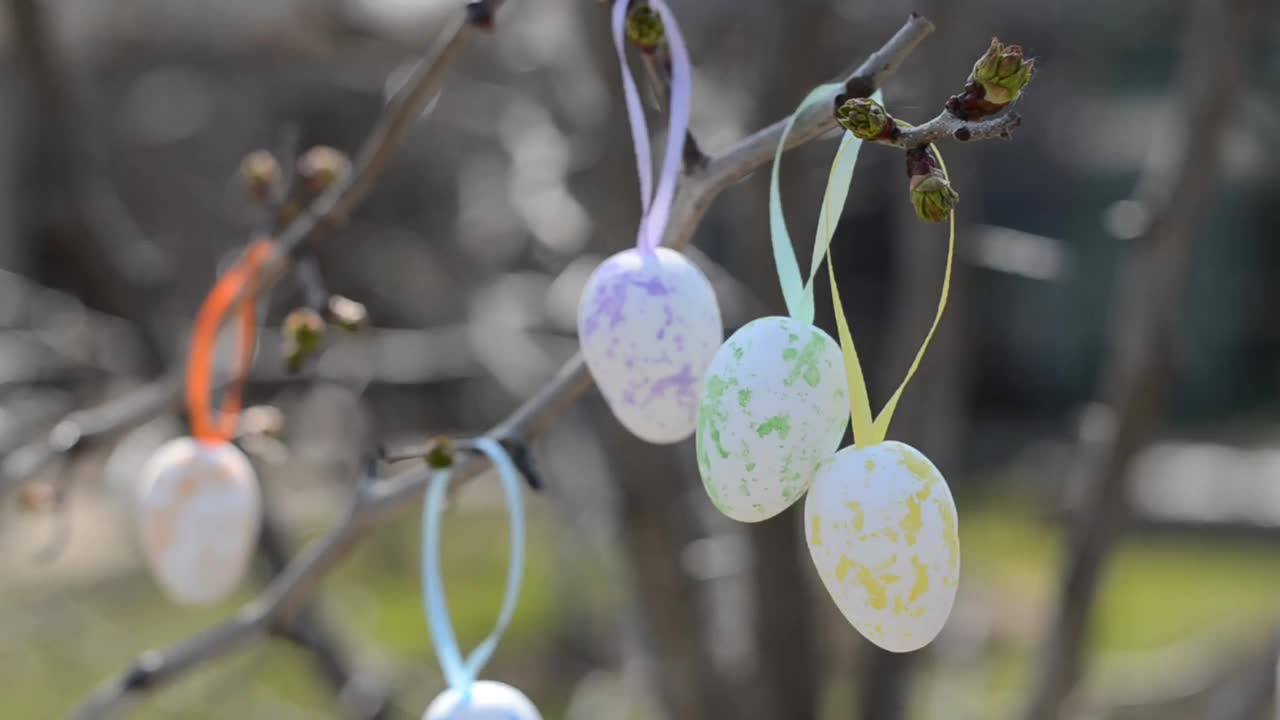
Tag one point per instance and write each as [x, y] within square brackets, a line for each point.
[649, 326]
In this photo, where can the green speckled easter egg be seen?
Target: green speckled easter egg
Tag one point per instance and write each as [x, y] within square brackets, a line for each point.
[774, 405]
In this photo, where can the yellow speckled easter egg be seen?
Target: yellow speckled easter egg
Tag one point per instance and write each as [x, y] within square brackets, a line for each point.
[881, 528]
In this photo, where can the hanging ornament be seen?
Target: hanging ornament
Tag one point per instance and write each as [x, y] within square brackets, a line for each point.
[774, 403]
[467, 699]
[198, 502]
[648, 321]
[879, 518]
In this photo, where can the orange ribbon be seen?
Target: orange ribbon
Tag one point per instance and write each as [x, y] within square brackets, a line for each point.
[239, 279]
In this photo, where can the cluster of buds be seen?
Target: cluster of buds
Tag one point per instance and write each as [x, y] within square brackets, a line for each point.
[304, 331]
[644, 27]
[316, 171]
[931, 193]
[997, 79]
[866, 119]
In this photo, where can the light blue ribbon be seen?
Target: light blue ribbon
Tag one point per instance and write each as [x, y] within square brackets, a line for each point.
[798, 294]
[460, 672]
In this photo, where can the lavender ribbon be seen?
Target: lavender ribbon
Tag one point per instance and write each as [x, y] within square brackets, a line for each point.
[657, 207]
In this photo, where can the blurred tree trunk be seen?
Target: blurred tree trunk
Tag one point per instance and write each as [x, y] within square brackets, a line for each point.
[77, 234]
[657, 524]
[931, 414]
[313, 632]
[1138, 370]
[785, 681]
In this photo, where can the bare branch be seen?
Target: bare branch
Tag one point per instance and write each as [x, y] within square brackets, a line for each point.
[946, 125]
[79, 428]
[373, 501]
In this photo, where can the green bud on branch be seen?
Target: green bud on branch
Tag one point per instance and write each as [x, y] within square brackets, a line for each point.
[931, 193]
[259, 173]
[1002, 72]
[440, 450]
[348, 314]
[644, 27]
[304, 332]
[865, 118]
[933, 197]
[320, 167]
[998, 78]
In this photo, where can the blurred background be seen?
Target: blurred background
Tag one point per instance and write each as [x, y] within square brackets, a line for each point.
[1103, 396]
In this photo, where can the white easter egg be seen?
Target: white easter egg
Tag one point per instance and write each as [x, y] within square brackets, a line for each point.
[485, 700]
[199, 511]
[649, 325]
[774, 406]
[881, 527]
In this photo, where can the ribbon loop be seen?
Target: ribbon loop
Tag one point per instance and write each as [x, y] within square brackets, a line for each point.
[798, 295]
[886, 414]
[865, 430]
[656, 206]
[460, 672]
[220, 300]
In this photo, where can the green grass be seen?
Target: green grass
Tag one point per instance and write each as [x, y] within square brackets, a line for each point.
[1156, 590]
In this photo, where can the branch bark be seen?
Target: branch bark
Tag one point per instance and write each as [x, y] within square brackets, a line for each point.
[373, 501]
[312, 631]
[1138, 370]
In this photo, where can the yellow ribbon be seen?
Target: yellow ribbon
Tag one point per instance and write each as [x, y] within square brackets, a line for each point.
[866, 431]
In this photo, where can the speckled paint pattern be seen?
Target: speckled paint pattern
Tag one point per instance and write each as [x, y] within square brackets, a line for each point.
[881, 528]
[487, 700]
[775, 405]
[199, 511]
[648, 324]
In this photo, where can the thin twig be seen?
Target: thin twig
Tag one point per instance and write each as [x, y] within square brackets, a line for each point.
[332, 208]
[946, 125]
[83, 427]
[372, 502]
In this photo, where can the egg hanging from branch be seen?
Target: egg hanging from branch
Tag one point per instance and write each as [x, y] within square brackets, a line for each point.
[199, 512]
[483, 700]
[774, 406]
[881, 528]
[649, 325]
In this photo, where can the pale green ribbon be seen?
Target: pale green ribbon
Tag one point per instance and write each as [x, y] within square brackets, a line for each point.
[797, 294]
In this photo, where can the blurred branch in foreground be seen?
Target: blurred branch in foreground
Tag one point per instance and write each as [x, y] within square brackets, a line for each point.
[1138, 371]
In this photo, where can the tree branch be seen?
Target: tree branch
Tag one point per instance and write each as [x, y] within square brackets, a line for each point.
[946, 125]
[375, 500]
